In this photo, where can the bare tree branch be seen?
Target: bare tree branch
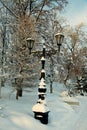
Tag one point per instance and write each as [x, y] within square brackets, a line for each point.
[9, 9]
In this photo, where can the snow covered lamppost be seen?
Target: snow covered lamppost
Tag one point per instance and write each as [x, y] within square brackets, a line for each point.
[40, 109]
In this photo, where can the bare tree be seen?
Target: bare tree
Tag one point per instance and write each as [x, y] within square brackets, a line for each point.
[73, 56]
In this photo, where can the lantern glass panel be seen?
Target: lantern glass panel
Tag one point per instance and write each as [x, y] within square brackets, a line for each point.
[30, 43]
[59, 38]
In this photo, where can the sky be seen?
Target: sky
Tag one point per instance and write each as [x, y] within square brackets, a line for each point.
[76, 12]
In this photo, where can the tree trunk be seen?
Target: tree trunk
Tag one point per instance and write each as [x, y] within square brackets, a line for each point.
[51, 88]
[51, 75]
[0, 90]
[19, 93]
[18, 82]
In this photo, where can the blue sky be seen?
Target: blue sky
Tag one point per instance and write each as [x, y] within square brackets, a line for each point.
[76, 11]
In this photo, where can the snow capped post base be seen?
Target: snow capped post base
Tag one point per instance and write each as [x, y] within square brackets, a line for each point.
[43, 117]
[41, 112]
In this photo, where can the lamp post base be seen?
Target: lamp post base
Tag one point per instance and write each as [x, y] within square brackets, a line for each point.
[43, 117]
[41, 112]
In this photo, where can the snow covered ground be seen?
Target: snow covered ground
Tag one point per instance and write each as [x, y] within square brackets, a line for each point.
[18, 115]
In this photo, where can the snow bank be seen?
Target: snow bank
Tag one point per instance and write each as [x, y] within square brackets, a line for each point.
[18, 115]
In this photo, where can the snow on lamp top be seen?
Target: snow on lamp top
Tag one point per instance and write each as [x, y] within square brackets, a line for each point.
[59, 38]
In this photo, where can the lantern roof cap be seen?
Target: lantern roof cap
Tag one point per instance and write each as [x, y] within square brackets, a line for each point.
[29, 39]
[59, 33]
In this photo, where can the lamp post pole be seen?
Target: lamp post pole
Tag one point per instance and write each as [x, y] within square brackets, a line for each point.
[40, 109]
